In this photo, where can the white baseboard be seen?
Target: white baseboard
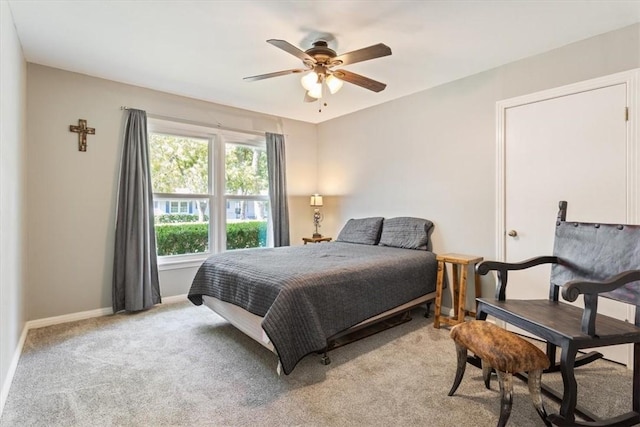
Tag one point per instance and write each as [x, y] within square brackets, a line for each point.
[65, 318]
[175, 298]
[98, 312]
[56, 320]
[4, 392]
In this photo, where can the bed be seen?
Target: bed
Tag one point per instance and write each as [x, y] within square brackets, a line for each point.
[294, 299]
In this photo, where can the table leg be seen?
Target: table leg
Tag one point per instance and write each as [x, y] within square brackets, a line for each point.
[439, 282]
[456, 288]
[462, 294]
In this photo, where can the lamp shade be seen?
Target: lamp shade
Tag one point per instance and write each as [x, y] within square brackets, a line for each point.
[309, 80]
[333, 83]
[316, 200]
[315, 91]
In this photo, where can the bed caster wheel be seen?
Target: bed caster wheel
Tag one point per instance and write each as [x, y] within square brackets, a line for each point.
[325, 360]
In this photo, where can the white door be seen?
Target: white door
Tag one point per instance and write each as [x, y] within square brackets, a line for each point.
[572, 148]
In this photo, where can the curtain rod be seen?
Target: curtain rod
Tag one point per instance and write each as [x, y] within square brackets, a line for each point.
[217, 125]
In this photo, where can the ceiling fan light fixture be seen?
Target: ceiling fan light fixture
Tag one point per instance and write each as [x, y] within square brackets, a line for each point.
[309, 80]
[315, 91]
[334, 83]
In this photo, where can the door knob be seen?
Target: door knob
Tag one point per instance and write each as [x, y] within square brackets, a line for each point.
[512, 233]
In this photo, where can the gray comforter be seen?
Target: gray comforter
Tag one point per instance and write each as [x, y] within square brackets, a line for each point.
[308, 293]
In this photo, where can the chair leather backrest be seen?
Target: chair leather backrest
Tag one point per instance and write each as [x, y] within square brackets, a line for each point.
[597, 252]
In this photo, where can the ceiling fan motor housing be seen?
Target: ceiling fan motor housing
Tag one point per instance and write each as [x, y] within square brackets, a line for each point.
[321, 52]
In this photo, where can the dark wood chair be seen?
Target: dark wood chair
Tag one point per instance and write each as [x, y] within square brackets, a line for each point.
[593, 260]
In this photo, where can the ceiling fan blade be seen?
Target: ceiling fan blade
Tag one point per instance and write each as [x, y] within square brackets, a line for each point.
[308, 98]
[359, 80]
[276, 74]
[364, 54]
[289, 48]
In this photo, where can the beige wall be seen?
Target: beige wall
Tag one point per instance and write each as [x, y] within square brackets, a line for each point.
[71, 194]
[12, 194]
[433, 154]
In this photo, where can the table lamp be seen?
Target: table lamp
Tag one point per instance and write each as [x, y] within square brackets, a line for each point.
[316, 202]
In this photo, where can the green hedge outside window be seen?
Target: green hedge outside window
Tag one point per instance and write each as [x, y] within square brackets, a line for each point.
[181, 238]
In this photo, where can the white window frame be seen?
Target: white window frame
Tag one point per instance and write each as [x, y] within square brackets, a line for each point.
[216, 197]
[180, 205]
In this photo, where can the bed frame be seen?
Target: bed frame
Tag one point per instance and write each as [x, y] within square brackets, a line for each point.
[251, 324]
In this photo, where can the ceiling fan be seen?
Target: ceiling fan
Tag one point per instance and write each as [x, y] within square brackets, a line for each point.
[320, 60]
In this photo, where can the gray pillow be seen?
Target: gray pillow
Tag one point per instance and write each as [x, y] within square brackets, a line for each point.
[365, 231]
[406, 232]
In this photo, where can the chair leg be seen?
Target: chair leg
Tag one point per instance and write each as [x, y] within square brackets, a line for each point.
[486, 374]
[534, 382]
[461, 351]
[505, 380]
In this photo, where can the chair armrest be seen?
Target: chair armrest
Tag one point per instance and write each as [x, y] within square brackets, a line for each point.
[503, 267]
[571, 290]
[487, 266]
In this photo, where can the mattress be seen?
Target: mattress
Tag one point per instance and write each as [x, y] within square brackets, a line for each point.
[306, 294]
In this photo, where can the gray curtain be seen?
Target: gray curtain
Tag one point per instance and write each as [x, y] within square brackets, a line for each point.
[278, 189]
[135, 264]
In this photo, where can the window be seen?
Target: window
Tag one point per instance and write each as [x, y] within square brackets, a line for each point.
[246, 193]
[211, 190]
[179, 207]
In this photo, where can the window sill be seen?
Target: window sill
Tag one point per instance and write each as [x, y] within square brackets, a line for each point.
[178, 262]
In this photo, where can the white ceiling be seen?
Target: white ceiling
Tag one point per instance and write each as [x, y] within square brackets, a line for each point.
[203, 49]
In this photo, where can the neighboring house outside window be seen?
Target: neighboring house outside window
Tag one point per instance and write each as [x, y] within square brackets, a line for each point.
[211, 191]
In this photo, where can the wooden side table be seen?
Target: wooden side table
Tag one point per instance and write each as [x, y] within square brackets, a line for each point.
[459, 266]
[315, 239]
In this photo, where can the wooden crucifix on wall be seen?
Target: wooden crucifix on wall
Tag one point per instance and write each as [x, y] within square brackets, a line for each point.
[82, 130]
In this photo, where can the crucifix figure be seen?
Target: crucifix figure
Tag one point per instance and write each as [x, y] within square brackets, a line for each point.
[82, 131]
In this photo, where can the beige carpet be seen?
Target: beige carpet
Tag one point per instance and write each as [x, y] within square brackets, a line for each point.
[181, 365]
